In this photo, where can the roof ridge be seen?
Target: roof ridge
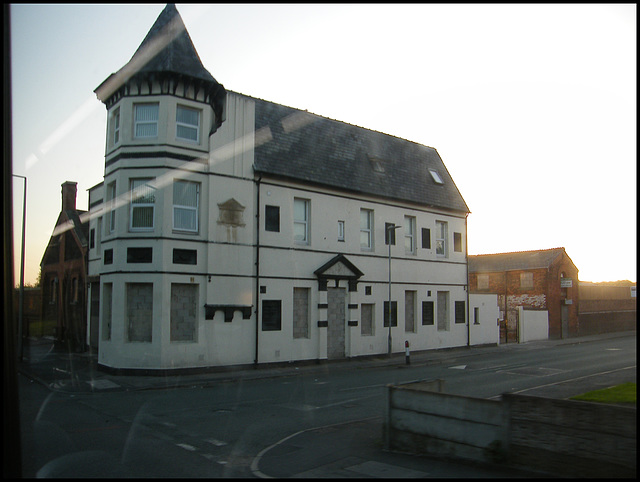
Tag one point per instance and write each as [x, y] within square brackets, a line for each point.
[517, 252]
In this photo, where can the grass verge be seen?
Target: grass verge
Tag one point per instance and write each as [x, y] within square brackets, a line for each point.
[625, 393]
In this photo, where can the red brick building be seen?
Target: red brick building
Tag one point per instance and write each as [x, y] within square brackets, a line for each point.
[538, 280]
[63, 273]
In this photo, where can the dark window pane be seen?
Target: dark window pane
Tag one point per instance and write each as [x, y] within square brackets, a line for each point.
[139, 255]
[271, 315]
[426, 238]
[460, 314]
[185, 256]
[394, 313]
[457, 242]
[272, 218]
[108, 256]
[427, 312]
[389, 233]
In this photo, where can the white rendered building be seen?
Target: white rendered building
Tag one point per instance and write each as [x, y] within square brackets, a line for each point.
[230, 230]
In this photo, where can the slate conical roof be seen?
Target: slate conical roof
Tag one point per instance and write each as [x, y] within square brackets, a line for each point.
[167, 49]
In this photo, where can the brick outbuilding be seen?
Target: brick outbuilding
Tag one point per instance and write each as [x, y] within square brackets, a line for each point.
[536, 280]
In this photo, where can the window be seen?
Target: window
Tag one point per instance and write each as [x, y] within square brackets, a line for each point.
[272, 218]
[301, 221]
[92, 238]
[457, 242]
[526, 280]
[111, 209]
[184, 312]
[476, 316]
[301, 312]
[389, 234]
[142, 205]
[187, 124]
[145, 120]
[443, 310]
[460, 314]
[107, 291]
[139, 311]
[366, 228]
[426, 238]
[410, 235]
[186, 197]
[139, 255]
[340, 230]
[394, 313]
[410, 311]
[116, 126]
[185, 256]
[435, 176]
[366, 318]
[271, 315]
[441, 238]
[483, 282]
[427, 312]
[108, 256]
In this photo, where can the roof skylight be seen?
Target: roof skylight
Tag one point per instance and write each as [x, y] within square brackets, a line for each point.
[436, 177]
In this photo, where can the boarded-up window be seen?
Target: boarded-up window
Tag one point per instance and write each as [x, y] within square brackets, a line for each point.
[443, 310]
[139, 311]
[366, 318]
[526, 280]
[301, 312]
[184, 310]
[271, 315]
[483, 281]
[427, 312]
[460, 312]
[107, 297]
[410, 311]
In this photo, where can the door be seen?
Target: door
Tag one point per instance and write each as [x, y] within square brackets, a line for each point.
[336, 299]
[564, 317]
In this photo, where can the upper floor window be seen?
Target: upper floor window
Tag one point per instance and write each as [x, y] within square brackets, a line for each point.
[441, 238]
[366, 228]
[410, 234]
[457, 242]
[187, 124]
[116, 126]
[272, 218]
[111, 209]
[526, 280]
[143, 200]
[146, 120]
[483, 281]
[340, 230]
[185, 205]
[301, 220]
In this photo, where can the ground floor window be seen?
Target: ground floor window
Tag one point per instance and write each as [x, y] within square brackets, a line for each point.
[366, 318]
[271, 315]
[460, 312]
[184, 312]
[107, 297]
[301, 312]
[410, 311]
[393, 314]
[139, 311]
[443, 310]
[427, 312]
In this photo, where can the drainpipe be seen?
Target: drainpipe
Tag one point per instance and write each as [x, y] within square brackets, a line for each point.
[257, 293]
[466, 257]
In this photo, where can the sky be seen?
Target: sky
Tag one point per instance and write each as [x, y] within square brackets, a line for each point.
[532, 107]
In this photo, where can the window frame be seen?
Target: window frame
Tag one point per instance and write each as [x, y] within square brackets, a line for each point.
[186, 125]
[145, 122]
[441, 238]
[141, 205]
[366, 230]
[272, 218]
[116, 126]
[340, 231]
[111, 202]
[195, 209]
[301, 222]
[410, 235]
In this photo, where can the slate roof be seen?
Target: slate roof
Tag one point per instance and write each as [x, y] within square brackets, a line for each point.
[305, 147]
[514, 261]
[167, 48]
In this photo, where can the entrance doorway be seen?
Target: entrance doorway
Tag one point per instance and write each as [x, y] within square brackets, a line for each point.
[336, 315]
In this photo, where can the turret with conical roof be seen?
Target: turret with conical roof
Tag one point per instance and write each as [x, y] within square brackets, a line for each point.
[165, 59]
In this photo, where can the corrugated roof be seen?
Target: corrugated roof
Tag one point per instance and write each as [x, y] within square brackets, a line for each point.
[314, 149]
[513, 261]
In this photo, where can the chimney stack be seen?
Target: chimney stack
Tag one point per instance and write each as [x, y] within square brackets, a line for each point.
[69, 191]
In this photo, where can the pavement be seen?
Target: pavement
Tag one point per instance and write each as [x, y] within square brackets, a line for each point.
[348, 450]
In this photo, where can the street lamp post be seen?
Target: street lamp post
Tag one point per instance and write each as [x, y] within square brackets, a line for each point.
[21, 296]
[389, 228]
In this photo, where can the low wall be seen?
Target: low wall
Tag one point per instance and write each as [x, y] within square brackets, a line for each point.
[606, 322]
[560, 437]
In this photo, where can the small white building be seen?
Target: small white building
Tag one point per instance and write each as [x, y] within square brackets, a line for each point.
[230, 230]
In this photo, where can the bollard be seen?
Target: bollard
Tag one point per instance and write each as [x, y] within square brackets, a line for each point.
[406, 352]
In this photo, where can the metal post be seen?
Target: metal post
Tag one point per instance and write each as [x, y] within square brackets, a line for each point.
[21, 297]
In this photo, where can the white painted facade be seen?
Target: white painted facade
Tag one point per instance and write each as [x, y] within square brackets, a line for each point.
[236, 268]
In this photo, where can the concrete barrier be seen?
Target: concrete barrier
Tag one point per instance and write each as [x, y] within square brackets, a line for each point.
[559, 437]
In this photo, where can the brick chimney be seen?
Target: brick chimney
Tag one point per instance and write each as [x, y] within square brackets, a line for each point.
[69, 191]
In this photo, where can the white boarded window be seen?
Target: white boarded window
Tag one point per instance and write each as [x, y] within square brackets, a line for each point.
[146, 120]
[187, 124]
[143, 200]
[185, 205]
[366, 318]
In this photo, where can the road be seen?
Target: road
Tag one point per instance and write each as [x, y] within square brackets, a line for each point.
[217, 430]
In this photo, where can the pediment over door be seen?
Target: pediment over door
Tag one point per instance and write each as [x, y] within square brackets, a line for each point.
[338, 268]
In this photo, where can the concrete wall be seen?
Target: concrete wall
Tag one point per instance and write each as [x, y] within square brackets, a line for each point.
[485, 329]
[533, 325]
[559, 437]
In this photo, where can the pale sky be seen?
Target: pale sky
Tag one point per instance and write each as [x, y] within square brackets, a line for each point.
[532, 107]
